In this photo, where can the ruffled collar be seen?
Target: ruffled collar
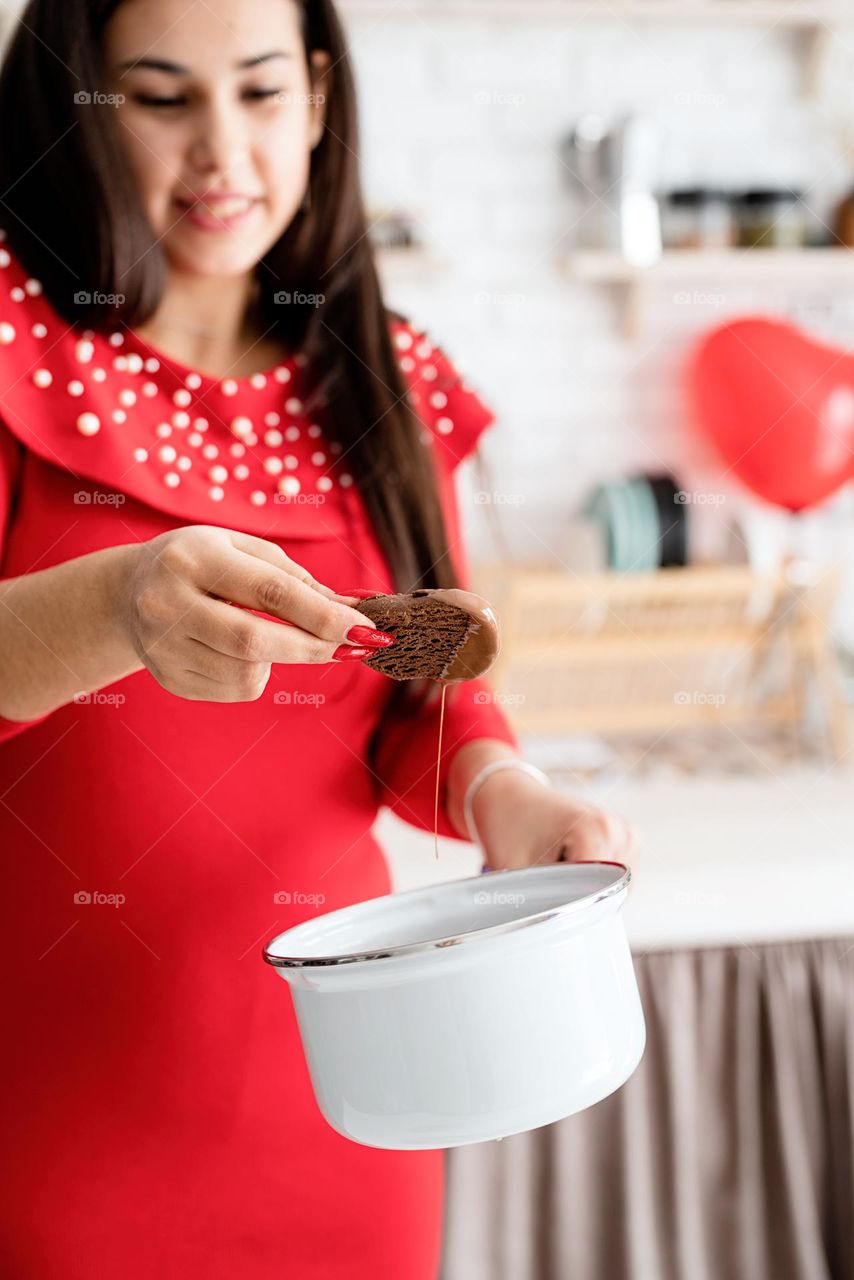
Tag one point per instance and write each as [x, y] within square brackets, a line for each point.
[237, 452]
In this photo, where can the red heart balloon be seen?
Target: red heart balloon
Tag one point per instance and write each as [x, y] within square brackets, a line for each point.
[778, 408]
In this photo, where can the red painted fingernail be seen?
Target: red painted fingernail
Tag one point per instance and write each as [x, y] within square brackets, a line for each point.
[349, 653]
[369, 636]
[360, 593]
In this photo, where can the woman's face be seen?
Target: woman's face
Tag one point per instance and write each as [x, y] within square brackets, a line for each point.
[219, 119]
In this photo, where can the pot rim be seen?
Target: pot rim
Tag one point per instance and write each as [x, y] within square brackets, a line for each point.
[453, 940]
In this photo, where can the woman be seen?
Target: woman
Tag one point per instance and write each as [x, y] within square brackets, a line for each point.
[209, 426]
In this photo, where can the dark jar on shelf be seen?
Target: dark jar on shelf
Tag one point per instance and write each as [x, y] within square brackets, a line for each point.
[771, 219]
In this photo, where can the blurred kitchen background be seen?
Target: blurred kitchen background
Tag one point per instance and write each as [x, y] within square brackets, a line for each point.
[571, 198]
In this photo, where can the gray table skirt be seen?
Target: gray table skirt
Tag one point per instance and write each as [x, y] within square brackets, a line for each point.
[729, 1155]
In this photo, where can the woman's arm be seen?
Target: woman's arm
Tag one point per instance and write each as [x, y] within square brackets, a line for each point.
[60, 635]
[168, 605]
[57, 633]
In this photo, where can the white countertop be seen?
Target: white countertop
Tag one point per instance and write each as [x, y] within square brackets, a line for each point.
[724, 860]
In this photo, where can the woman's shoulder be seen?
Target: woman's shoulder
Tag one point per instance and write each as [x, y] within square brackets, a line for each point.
[448, 406]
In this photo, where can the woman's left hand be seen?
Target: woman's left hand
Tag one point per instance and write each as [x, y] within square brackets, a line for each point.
[522, 823]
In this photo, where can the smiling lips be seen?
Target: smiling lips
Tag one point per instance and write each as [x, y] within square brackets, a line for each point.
[218, 213]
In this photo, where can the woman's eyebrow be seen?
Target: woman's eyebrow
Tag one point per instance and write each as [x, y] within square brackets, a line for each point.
[263, 57]
[175, 68]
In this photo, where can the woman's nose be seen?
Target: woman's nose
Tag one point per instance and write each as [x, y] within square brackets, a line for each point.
[221, 143]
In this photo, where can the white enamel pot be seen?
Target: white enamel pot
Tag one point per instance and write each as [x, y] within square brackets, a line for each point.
[470, 1010]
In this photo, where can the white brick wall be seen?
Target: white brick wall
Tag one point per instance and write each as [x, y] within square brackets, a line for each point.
[577, 403]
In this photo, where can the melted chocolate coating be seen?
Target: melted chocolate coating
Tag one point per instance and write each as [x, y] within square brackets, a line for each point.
[441, 634]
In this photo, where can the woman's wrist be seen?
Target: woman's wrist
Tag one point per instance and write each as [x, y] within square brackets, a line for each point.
[62, 632]
[465, 766]
[511, 775]
[114, 596]
[499, 798]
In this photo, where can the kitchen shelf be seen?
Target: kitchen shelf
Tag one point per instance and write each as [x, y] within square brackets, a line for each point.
[619, 653]
[399, 265]
[787, 13]
[681, 266]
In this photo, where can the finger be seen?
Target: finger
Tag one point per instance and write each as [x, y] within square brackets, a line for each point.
[275, 555]
[626, 843]
[223, 668]
[249, 580]
[198, 688]
[585, 841]
[616, 836]
[238, 633]
[598, 838]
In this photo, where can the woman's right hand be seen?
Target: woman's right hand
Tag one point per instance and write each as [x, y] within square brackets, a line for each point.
[177, 611]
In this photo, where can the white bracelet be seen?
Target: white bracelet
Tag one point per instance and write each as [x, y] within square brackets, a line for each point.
[479, 779]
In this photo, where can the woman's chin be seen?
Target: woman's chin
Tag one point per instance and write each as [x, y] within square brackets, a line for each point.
[197, 254]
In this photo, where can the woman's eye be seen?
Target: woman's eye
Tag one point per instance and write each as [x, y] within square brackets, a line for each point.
[160, 102]
[256, 95]
[148, 100]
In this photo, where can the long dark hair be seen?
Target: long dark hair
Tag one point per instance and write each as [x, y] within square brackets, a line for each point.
[74, 217]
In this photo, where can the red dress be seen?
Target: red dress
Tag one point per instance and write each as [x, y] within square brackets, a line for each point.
[158, 1118]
